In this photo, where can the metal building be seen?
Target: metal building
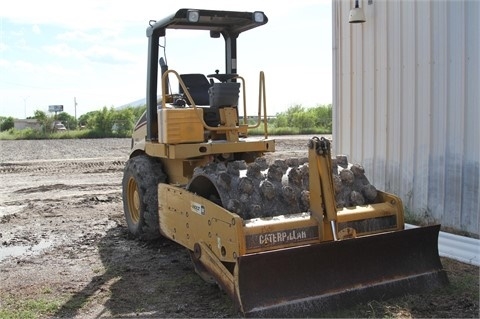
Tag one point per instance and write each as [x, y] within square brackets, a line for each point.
[406, 99]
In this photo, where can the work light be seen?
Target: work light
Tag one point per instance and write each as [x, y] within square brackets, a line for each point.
[193, 15]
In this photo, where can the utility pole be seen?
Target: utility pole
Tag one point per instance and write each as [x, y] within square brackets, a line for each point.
[75, 104]
[25, 105]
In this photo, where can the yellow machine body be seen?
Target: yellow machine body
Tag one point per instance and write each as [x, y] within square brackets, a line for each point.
[273, 237]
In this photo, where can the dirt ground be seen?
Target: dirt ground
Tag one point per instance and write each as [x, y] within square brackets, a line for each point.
[65, 251]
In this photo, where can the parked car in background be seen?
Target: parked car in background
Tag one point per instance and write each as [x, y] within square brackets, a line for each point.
[58, 126]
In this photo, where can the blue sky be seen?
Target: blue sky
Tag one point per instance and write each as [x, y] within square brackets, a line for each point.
[95, 51]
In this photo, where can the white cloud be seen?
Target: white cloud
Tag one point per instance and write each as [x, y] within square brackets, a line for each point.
[104, 54]
[36, 29]
[74, 35]
[24, 66]
[62, 50]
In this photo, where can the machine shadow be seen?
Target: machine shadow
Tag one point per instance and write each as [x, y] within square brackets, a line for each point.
[146, 279]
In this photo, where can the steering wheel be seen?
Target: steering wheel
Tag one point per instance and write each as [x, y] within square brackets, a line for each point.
[222, 77]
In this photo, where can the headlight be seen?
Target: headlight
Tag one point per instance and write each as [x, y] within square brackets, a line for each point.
[193, 15]
[258, 16]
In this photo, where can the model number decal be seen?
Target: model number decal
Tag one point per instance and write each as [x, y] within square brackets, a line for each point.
[197, 208]
[282, 237]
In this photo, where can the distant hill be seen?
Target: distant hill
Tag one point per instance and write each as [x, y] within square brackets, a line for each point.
[136, 103]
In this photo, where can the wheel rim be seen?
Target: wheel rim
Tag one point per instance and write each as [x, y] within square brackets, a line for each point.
[133, 200]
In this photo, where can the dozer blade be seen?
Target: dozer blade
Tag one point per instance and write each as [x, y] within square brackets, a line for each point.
[310, 280]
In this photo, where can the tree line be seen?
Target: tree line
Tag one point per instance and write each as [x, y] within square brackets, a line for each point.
[111, 122]
[107, 122]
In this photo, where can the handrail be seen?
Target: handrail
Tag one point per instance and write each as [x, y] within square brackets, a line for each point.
[244, 93]
[261, 98]
[185, 90]
[260, 91]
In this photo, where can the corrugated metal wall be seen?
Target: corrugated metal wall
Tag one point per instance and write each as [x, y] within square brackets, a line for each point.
[406, 103]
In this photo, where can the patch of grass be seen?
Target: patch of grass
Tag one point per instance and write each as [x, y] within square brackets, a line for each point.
[459, 299]
[411, 218]
[47, 290]
[288, 131]
[75, 303]
[419, 218]
[29, 308]
[31, 134]
[464, 279]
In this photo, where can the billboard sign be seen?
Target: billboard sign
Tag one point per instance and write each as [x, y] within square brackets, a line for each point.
[55, 108]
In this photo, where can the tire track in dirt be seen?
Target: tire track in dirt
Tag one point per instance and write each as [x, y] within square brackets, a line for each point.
[86, 166]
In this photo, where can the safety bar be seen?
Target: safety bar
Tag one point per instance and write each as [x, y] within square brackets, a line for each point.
[261, 98]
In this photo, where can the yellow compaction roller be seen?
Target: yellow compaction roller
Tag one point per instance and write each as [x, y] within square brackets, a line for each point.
[291, 237]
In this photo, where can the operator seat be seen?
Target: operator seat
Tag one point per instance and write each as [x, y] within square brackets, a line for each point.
[197, 85]
[207, 93]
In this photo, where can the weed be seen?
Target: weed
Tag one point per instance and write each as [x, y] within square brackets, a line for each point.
[30, 308]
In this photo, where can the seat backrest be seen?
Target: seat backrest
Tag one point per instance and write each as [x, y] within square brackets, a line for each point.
[197, 85]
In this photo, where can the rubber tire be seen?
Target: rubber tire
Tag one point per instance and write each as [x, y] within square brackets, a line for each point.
[141, 177]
